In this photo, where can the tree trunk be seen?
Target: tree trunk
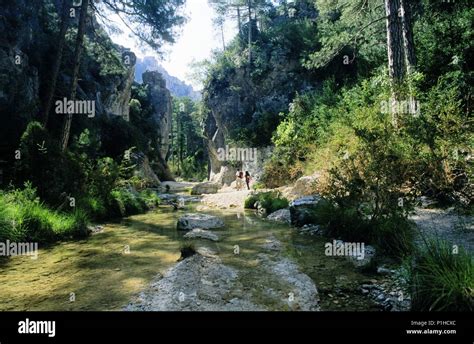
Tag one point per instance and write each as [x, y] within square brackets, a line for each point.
[408, 43]
[222, 36]
[239, 20]
[57, 62]
[394, 43]
[75, 76]
[249, 4]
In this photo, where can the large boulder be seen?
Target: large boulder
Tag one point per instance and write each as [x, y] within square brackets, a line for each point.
[199, 221]
[305, 186]
[282, 215]
[205, 188]
[303, 210]
[199, 233]
[225, 176]
[144, 171]
[366, 260]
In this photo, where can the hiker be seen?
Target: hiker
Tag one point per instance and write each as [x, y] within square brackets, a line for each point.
[238, 180]
[241, 180]
[248, 178]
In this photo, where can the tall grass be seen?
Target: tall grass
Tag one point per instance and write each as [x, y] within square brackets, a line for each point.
[442, 280]
[393, 234]
[24, 218]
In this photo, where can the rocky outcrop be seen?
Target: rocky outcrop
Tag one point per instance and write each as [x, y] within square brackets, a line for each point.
[160, 99]
[304, 294]
[197, 283]
[118, 100]
[177, 87]
[201, 234]
[225, 176]
[305, 186]
[205, 188]
[302, 210]
[282, 215]
[27, 51]
[189, 222]
[203, 282]
[19, 70]
[144, 171]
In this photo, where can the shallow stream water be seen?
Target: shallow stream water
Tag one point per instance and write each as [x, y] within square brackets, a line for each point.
[105, 271]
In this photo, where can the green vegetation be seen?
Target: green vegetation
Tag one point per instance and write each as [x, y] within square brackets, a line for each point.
[317, 86]
[189, 157]
[80, 166]
[392, 234]
[376, 100]
[442, 280]
[270, 201]
[23, 218]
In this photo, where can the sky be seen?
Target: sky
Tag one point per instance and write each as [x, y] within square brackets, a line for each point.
[196, 41]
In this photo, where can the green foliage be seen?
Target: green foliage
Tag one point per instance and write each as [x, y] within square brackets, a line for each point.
[153, 22]
[52, 172]
[150, 198]
[442, 280]
[126, 203]
[24, 218]
[250, 96]
[349, 29]
[271, 201]
[189, 157]
[395, 236]
[392, 234]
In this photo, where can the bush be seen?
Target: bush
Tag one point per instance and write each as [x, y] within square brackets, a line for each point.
[250, 202]
[271, 201]
[126, 202]
[52, 172]
[150, 198]
[346, 223]
[393, 235]
[94, 207]
[442, 280]
[24, 218]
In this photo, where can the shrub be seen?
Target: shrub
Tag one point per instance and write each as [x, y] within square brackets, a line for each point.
[395, 236]
[344, 223]
[24, 218]
[52, 172]
[271, 201]
[258, 186]
[126, 202]
[250, 202]
[150, 198]
[94, 207]
[392, 234]
[441, 280]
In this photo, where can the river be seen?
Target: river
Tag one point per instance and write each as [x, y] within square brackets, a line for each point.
[107, 270]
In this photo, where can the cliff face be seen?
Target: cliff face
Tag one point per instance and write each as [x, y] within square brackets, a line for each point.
[27, 52]
[113, 95]
[28, 48]
[177, 87]
[19, 76]
[227, 110]
[160, 99]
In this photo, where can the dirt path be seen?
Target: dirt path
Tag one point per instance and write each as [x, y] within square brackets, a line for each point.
[226, 199]
[446, 225]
